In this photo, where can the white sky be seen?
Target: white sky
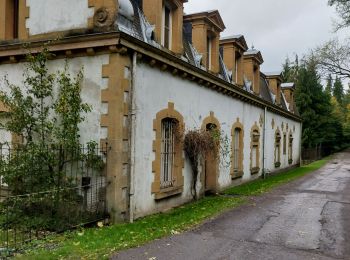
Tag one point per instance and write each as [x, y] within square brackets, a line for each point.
[275, 27]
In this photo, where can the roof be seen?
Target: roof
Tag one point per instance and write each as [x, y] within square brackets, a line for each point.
[212, 17]
[254, 53]
[265, 92]
[288, 85]
[273, 73]
[138, 27]
[284, 102]
[235, 39]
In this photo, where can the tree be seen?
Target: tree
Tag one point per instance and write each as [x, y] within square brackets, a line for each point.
[333, 58]
[338, 90]
[290, 70]
[314, 106]
[343, 9]
[329, 85]
[46, 112]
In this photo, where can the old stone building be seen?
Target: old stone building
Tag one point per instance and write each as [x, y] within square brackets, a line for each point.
[150, 69]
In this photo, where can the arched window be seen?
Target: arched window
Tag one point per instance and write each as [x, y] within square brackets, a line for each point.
[211, 162]
[255, 150]
[277, 149]
[169, 162]
[237, 150]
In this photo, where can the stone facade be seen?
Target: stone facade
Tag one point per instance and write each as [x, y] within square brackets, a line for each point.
[133, 83]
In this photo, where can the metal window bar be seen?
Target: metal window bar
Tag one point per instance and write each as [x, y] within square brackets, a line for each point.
[167, 153]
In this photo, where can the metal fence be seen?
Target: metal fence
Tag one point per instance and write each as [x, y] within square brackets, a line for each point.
[313, 154]
[49, 189]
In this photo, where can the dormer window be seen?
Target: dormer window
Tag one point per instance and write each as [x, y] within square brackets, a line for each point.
[166, 38]
[15, 18]
[237, 59]
[9, 26]
[208, 53]
[206, 29]
[233, 49]
[167, 18]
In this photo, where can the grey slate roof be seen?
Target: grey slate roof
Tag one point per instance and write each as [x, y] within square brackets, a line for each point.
[283, 102]
[264, 90]
[142, 30]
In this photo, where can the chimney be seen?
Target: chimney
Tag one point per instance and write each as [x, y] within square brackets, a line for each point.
[206, 29]
[288, 91]
[233, 49]
[167, 17]
[274, 79]
[252, 59]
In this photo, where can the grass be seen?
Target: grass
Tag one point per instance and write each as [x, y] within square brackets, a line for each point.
[100, 243]
[260, 186]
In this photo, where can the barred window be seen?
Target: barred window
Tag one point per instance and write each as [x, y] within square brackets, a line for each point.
[167, 152]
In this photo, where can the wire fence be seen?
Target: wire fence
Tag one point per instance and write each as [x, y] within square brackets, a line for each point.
[49, 189]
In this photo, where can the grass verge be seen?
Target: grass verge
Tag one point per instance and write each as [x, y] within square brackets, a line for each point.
[260, 186]
[100, 243]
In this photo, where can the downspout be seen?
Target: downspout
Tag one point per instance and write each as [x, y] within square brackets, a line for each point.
[264, 138]
[300, 144]
[132, 138]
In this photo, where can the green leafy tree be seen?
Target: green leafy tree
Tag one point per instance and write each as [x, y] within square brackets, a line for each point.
[46, 112]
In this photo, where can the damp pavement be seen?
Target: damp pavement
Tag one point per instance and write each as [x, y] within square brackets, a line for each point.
[305, 219]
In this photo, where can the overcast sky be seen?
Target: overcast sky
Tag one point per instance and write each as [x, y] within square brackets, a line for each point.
[275, 27]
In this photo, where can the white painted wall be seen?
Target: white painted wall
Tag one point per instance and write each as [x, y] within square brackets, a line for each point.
[153, 90]
[91, 89]
[270, 141]
[51, 15]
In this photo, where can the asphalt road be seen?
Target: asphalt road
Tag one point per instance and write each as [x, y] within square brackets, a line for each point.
[305, 219]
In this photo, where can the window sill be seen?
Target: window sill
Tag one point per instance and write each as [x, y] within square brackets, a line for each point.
[168, 192]
[237, 175]
[255, 170]
[277, 164]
